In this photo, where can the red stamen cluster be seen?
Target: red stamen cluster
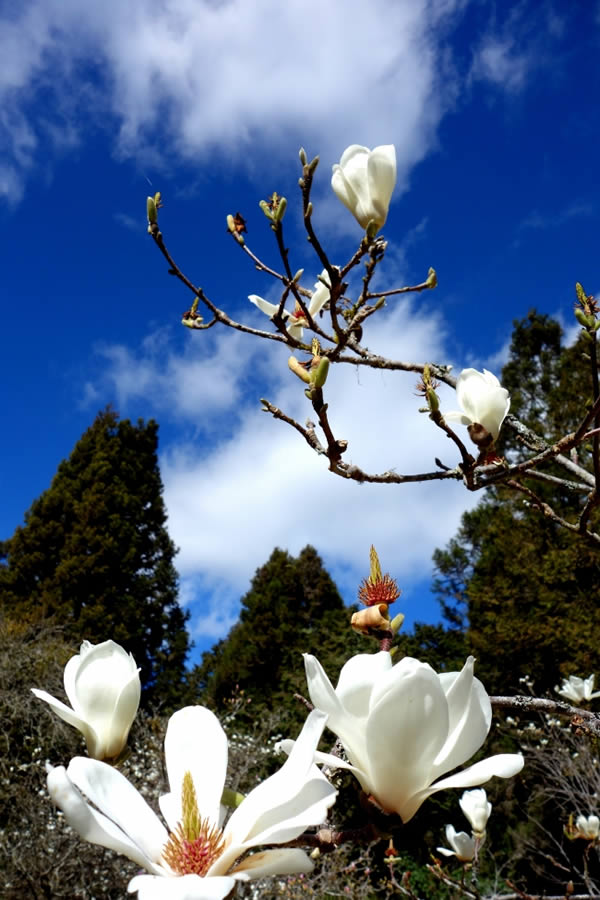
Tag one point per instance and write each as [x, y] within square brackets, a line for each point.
[383, 590]
[194, 856]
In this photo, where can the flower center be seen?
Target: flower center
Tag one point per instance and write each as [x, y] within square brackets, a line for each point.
[195, 844]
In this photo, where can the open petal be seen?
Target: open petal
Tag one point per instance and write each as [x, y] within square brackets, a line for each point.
[470, 714]
[503, 765]
[196, 743]
[273, 862]
[185, 887]
[458, 417]
[282, 807]
[269, 309]
[92, 825]
[67, 715]
[120, 802]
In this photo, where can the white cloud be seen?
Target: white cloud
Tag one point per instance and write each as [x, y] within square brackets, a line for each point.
[501, 61]
[232, 498]
[201, 78]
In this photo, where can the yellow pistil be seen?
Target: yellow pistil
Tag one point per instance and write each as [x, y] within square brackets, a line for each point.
[377, 588]
[195, 844]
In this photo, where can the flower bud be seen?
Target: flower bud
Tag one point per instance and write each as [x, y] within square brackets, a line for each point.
[151, 211]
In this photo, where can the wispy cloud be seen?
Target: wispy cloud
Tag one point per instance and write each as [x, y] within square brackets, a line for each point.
[201, 79]
[537, 220]
[515, 46]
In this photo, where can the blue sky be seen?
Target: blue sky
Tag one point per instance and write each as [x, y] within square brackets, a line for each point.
[493, 109]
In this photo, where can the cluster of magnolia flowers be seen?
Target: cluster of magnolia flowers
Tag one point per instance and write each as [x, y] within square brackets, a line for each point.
[477, 808]
[403, 728]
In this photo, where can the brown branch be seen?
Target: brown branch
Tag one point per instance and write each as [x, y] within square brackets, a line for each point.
[551, 514]
[424, 286]
[580, 718]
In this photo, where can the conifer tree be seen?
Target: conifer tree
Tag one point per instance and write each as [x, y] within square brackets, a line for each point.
[94, 555]
[525, 589]
[293, 606]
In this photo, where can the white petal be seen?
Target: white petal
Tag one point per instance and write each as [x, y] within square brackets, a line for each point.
[445, 852]
[458, 417]
[381, 169]
[195, 743]
[269, 309]
[183, 887]
[406, 731]
[470, 713]
[68, 715]
[503, 765]
[282, 807]
[90, 824]
[274, 862]
[120, 802]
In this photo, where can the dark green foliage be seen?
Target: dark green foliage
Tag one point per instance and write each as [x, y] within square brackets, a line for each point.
[526, 588]
[292, 607]
[95, 557]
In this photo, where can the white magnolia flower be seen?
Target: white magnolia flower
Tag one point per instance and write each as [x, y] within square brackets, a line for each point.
[103, 686]
[476, 808]
[578, 689]
[405, 726]
[482, 399]
[297, 320]
[195, 859]
[588, 827]
[364, 181]
[463, 845]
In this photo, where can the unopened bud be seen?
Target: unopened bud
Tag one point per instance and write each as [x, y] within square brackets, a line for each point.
[432, 399]
[280, 210]
[380, 303]
[298, 276]
[581, 295]
[585, 321]
[431, 281]
[309, 209]
[266, 209]
[396, 623]
[372, 229]
[151, 210]
[318, 375]
[313, 165]
[302, 155]
[231, 224]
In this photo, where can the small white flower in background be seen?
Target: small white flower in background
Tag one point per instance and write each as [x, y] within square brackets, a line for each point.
[404, 726]
[477, 809]
[196, 859]
[588, 827]
[103, 686]
[297, 320]
[482, 399]
[577, 689]
[463, 845]
[364, 181]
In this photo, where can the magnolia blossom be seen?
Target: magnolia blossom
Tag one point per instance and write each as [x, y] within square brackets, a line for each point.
[195, 859]
[405, 726]
[364, 181]
[297, 320]
[463, 845]
[577, 689]
[476, 808]
[482, 399]
[588, 827]
[103, 685]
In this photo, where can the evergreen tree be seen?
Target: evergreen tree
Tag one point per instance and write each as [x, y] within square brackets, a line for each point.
[293, 606]
[94, 554]
[525, 588]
